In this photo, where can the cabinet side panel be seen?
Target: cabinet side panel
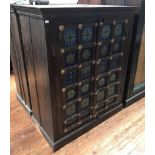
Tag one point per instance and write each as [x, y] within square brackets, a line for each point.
[27, 49]
[15, 68]
[41, 71]
[21, 60]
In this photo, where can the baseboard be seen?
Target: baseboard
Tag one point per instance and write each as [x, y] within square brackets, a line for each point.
[134, 98]
[78, 132]
[27, 109]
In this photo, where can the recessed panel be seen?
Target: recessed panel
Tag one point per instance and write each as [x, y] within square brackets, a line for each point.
[85, 54]
[115, 62]
[71, 94]
[100, 95]
[85, 102]
[102, 66]
[85, 71]
[87, 34]
[70, 76]
[70, 37]
[105, 31]
[111, 90]
[70, 109]
[85, 88]
[70, 58]
[119, 29]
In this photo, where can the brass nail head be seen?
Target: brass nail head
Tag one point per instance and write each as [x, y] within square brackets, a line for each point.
[63, 89]
[62, 51]
[61, 27]
[63, 71]
[80, 47]
[80, 26]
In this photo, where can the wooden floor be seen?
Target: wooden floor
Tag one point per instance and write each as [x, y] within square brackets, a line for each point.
[122, 134]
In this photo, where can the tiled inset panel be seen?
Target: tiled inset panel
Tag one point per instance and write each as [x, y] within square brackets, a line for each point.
[70, 58]
[115, 62]
[85, 71]
[71, 94]
[85, 88]
[87, 34]
[100, 95]
[105, 31]
[102, 65]
[119, 29]
[111, 90]
[70, 37]
[85, 102]
[71, 109]
[116, 48]
[70, 76]
[85, 54]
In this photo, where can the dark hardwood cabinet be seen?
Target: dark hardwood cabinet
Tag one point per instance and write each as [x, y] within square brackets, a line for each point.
[135, 79]
[76, 61]
[18, 62]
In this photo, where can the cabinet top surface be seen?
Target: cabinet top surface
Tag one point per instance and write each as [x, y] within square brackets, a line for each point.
[58, 6]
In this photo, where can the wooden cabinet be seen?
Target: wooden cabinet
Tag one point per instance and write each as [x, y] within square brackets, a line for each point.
[76, 60]
[135, 79]
[18, 62]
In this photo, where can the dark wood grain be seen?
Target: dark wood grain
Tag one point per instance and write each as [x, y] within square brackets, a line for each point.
[29, 59]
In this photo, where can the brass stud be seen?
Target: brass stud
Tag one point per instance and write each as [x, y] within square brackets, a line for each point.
[80, 47]
[123, 38]
[79, 83]
[62, 51]
[99, 60]
[61, 27]
[63, 89]
[99, 43]
[96, 92]
[66, 130]
[80, 26]
[96, 106]
[111, 57]
[96, 24]
[80, 66]
[64, 107]
[122, 54]
[97, 79]
[63, 71]
[120, 68]
[126, 21]
[114, 22]
[112, 40]
[79, 99]
[101, 23]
